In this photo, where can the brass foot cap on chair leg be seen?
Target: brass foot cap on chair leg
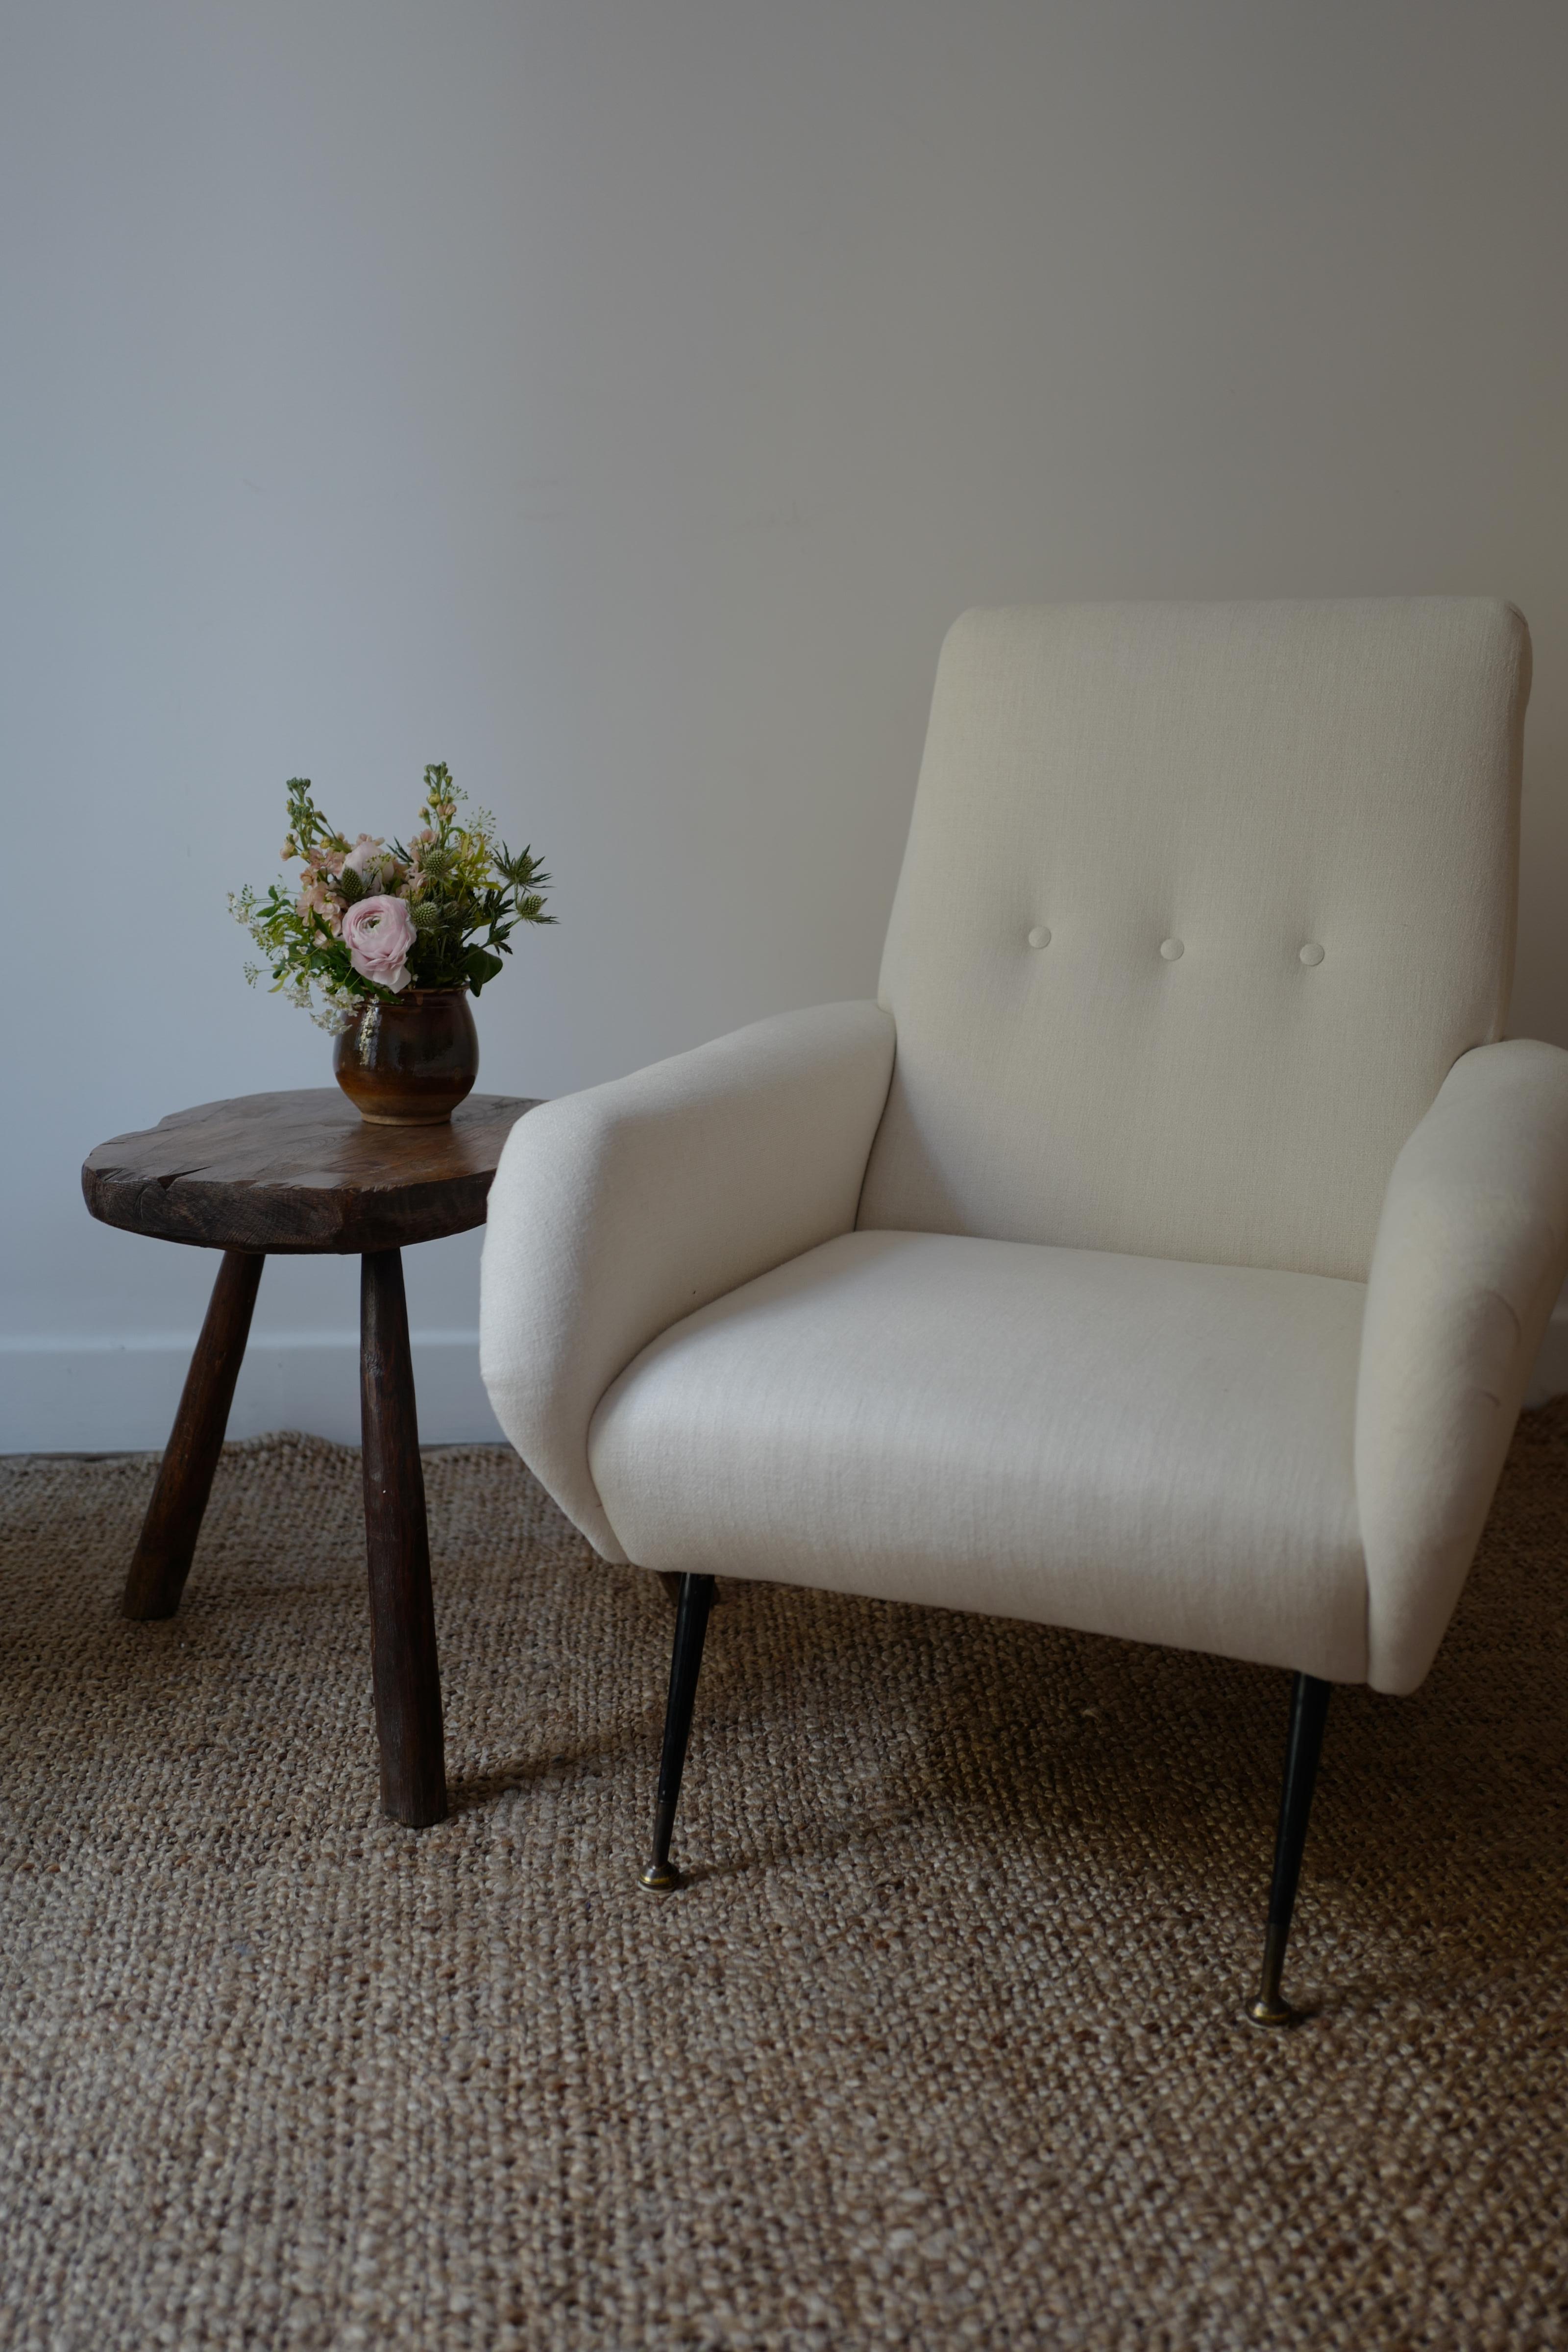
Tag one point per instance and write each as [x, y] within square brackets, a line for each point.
[658, 1877]
[1264, 2010]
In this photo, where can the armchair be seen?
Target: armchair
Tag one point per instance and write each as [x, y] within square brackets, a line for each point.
[1164, 1252]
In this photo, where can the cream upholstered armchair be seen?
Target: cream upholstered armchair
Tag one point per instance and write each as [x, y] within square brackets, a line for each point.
[1164, 1252]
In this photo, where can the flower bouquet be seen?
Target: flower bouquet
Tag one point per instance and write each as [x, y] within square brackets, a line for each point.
[383, 944]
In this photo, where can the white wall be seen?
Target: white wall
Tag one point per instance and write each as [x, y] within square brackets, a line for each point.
[616, 398]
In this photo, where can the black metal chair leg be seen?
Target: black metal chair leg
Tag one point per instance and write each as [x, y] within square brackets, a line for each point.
[1309, 1712]
[658, 1875]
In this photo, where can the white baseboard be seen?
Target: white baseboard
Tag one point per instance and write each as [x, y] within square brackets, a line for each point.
[112, 1396]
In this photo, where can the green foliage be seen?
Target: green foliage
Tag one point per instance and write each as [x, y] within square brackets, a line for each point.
[465, 891]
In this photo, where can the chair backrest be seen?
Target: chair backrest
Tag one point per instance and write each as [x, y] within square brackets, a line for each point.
[1200, 904]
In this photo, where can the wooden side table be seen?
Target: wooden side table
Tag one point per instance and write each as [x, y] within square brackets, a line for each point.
[300, 1173]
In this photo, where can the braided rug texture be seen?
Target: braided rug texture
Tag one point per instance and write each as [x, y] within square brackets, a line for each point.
[940, 2046]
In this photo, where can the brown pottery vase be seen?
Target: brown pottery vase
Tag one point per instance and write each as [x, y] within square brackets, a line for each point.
[409, 1064]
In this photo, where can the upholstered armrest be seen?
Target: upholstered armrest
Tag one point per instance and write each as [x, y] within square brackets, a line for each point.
[1471, 1252]
[616, 1211]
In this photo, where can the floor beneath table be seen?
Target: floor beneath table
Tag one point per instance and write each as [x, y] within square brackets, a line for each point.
[941, 2046]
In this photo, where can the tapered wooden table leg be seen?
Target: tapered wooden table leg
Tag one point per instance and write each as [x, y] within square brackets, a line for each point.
[402, 1613]
[167, 1543]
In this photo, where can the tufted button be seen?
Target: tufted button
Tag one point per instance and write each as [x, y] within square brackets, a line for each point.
[1312, 953]
[1039, 936]
[1171, 949]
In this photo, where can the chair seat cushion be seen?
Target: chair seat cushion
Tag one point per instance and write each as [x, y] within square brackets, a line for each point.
[1127, 1445]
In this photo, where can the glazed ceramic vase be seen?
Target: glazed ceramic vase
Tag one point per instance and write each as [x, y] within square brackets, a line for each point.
[409, 1062]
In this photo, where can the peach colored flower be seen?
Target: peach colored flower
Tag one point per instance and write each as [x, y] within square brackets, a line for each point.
[378, 934]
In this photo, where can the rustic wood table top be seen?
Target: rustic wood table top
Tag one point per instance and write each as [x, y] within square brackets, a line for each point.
[300, 1171]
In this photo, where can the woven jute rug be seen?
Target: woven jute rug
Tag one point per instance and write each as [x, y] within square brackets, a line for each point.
[940, 2046]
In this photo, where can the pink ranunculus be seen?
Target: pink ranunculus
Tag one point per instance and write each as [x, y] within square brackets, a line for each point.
[378, 934]
[369, 858]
